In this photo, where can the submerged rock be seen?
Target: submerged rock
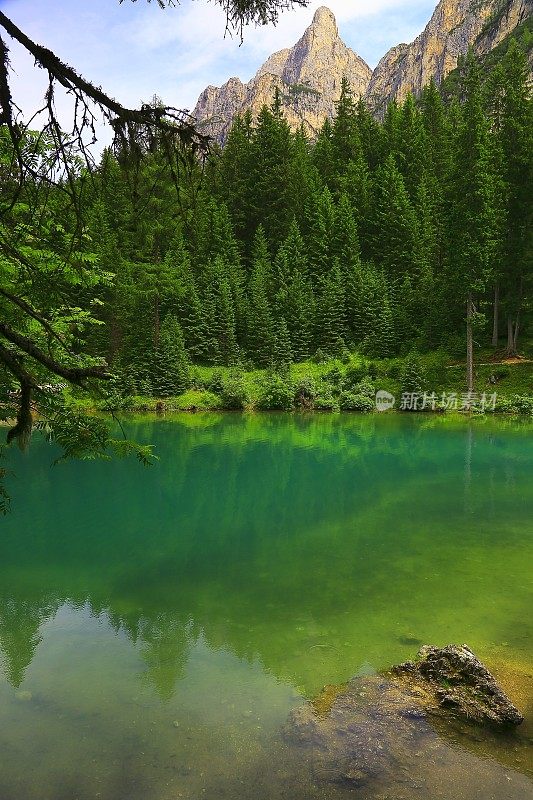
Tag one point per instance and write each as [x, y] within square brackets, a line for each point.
[357, 737]
[459, 683]
[378, 736]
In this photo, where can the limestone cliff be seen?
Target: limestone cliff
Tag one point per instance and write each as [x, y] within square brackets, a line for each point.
[309, 76]
[454, 27]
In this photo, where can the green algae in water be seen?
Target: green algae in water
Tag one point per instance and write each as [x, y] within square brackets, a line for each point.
[158, 625]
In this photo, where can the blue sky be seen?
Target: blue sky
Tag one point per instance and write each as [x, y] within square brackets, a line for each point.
[134, 50]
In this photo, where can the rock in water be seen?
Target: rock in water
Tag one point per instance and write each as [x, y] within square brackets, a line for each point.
[459, 682]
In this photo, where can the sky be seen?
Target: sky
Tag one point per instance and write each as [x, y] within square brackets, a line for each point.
[136, 50]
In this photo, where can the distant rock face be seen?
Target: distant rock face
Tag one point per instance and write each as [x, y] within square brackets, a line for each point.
[309, 76]
[454, 27]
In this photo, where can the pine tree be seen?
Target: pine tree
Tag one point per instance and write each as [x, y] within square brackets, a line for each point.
[282, 355]
[512, 111]
[170, 368]
[370, 136]
[274, 195]
[261, 333]
[223, 331]
[294, 302]
[322, 154]
[475, 217]
[344, 239]
[412, 147]
[380, 340]
[317, 232]
[356, 184]
[345, 138]
[396, 229]
[233, 182]
[330, 312]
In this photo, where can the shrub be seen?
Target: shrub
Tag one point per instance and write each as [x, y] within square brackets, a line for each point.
[354, 374]
[215, 383]
[350, 401]
[435, 366]
[365, 389]
[304, 394]
[277, 394]
[196, 400]
[319, 357]
[325, 400]
[412, 378]
[334, 377]
[393, 368]
[234, 392]
[516, 404]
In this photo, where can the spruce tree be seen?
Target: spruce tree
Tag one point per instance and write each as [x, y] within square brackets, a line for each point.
[330, 311]
[475, 219]
[395, 224]
[170, 368]
[261, 333]
[513, 125]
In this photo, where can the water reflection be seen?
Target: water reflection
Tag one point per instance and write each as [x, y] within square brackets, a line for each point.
[157, 626]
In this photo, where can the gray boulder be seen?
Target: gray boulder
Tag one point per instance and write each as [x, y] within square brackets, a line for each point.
[459, 684]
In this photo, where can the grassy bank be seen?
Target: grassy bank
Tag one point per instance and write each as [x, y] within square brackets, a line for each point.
[345, 385]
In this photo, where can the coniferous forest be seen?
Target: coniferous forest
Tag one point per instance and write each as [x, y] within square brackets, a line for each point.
[386, 238]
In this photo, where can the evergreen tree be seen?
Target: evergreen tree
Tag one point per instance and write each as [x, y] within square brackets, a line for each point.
[395, 223]
[322, 154]
[233, 181]
[274, 195]
[261, 333]
[412, 147]
[170, 368]
[475, 218]
[345, 138]
[344, 238]
[512, 111]
[294, 301]
[330, 312]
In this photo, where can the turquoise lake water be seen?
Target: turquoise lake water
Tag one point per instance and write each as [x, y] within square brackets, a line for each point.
[158, 625]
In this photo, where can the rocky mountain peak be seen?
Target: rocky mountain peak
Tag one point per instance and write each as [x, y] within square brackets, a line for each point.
[309, 76]
[325, 20]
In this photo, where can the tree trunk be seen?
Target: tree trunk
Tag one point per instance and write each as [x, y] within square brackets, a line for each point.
[496, 311]
[510, 349]
[156, 322]
[469, 344]
[515, 334]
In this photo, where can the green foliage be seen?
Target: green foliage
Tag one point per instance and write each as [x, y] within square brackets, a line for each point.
[366, 241]
[412, 377]
[350, 401]
[276, 393]
[234, 394]
[516, 404]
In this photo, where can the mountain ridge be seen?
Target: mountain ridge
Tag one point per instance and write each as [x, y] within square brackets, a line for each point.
[309, 74]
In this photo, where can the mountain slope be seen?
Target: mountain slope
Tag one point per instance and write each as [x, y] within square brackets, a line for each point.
[310, 73]
[454, 27]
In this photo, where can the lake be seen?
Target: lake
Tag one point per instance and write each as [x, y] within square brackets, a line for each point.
[158, 625]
